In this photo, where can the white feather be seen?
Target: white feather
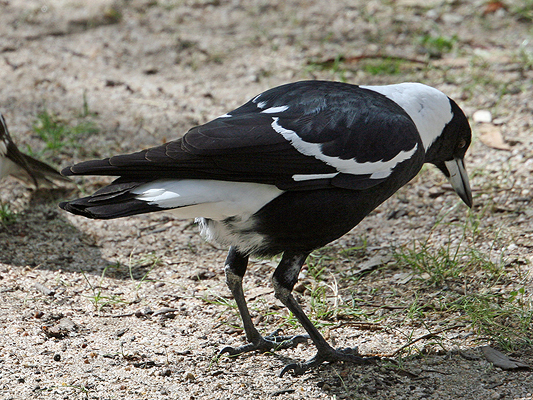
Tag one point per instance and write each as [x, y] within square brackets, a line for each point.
[377, 169]
[429, 108]
[236, 232]
[273, 110]
[308, 177]
[218, 200]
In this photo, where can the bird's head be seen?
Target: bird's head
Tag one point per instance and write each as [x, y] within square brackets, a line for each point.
[443, 128]
[448, 150]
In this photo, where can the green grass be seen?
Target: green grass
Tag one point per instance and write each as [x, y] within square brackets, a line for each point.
[373, 65]
[506, 319]
[465, 283]
[437, 46]
[98, 298]
[523, 10]
[137, 270]
[7, 216]
[336, 67]
[63, 135]
[382, 66]
[58, 135]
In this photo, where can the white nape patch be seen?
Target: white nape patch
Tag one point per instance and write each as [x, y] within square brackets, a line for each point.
[309, 177]
[218, 200]
[376, 170]
[226, 116]
[274, 110]
[429, 108]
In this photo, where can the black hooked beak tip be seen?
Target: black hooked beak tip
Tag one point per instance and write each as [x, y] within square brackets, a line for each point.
[459, 179]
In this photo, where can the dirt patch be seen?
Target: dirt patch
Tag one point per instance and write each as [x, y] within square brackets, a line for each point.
[138, 308]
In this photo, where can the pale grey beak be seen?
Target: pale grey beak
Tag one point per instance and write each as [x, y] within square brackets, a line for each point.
[459, 179]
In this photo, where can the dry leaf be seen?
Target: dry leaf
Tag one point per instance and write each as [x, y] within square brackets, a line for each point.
[493, 6]
[491, 136]
[501, 360]
[372, 264]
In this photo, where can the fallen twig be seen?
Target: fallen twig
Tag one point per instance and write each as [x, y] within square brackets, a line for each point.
[426, 336]
[369, 326]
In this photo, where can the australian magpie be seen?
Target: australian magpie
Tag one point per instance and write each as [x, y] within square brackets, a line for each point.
[14, 162]
[288, 172]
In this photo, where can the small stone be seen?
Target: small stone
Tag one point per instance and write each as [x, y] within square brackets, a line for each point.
[494, 395]
[482, 116]
[189, 376]
[300, 287]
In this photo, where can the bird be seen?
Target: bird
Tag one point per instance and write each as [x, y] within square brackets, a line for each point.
[289, 171]
[28, 169]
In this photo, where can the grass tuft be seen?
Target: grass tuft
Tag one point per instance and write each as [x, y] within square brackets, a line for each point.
[437, 46]
[7, 216]
[382, 66]
[57, 134]
[471, 287]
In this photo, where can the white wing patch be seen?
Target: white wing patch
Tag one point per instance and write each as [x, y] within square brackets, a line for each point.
[429, 108]
[376, 170]
[273, 110]
[308, 177]
[218, 200]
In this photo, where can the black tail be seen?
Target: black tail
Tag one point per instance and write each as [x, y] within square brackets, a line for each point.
[27, 168]
[113, 201]
[40, 173]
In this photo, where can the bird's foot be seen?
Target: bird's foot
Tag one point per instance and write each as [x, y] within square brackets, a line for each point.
[330, 355]
[272, 342]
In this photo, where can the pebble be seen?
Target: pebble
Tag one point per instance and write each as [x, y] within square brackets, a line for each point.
[189, 376]
[483, 116]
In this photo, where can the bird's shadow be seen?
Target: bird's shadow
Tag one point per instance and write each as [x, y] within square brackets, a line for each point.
[40, 237]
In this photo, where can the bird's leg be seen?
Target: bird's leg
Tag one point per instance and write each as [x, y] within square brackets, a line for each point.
[235, 269]
[284, 279]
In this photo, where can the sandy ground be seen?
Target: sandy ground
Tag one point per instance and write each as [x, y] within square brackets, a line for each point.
[137, 308]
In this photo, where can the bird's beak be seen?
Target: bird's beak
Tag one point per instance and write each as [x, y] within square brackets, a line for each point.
[459, 179]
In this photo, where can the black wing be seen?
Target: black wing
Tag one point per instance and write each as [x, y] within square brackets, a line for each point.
[309, 134]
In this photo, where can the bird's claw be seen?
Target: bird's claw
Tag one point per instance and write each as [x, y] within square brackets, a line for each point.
[235, 351]
[268, 343]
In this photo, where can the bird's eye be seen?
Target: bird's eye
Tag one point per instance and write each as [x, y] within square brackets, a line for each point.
[461, 144]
